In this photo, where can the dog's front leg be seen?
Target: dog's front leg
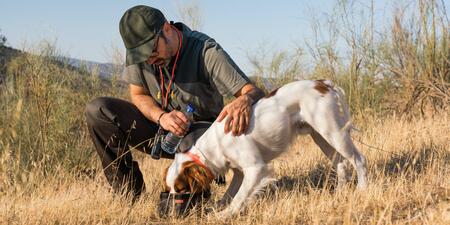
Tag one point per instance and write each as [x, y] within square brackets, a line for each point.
[235, 184]
[252, 178]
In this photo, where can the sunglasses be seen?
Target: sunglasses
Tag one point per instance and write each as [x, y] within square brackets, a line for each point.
[155, 47]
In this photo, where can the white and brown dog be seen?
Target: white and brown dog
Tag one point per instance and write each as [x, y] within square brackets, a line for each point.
[302, 107]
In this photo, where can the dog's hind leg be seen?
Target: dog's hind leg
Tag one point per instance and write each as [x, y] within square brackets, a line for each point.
[331, 120]
[339, 162]
[334, 135]
[341, 141]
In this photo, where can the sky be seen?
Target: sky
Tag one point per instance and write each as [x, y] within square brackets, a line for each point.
[89, 30]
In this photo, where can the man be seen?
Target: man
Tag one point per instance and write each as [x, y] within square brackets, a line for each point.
[168, 67]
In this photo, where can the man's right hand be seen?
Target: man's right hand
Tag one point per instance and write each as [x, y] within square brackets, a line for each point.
[175, 122]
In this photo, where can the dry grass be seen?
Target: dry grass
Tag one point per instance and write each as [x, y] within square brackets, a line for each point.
[409, 185]
[49, 173]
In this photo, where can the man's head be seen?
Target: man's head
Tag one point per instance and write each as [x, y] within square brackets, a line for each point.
[146, 35]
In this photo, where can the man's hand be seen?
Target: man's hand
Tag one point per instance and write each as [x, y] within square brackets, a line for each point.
[238, 115]
[238, 112]
[175, 122]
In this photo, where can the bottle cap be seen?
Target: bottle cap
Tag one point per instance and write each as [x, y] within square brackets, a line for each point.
[190, 108]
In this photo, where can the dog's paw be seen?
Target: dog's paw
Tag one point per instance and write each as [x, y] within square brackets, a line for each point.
[361, 186]
[225, 214]
[222, 203]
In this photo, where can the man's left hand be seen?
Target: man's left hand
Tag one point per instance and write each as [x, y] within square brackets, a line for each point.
[237, 114]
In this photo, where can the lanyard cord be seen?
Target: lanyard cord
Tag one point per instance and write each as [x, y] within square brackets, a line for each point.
[165, 99]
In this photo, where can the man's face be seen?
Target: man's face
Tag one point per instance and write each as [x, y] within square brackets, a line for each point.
[161, 55]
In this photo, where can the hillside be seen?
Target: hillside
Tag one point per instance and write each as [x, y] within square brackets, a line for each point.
[6, 54]
[104, 70]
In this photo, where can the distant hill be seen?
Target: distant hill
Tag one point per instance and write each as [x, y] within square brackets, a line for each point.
[6, 54]
[105, 70]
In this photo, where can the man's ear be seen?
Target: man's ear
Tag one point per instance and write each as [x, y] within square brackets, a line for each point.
[196, 177]
[166, 28]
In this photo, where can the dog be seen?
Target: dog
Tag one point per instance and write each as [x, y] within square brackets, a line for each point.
[309, 107]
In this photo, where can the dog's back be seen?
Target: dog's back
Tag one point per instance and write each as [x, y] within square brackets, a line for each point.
[274, 122]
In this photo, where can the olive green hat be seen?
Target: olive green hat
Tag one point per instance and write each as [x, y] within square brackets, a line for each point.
[139, 28]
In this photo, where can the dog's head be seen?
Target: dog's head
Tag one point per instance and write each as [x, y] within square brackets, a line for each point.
[186, 177]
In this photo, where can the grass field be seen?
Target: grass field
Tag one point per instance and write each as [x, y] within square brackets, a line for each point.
[409, 184]
[396, 77]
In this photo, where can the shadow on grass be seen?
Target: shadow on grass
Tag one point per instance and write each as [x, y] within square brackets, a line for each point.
[323, 176]
[411, 164]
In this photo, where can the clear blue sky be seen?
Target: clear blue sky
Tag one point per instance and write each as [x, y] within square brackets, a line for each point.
[88, 29]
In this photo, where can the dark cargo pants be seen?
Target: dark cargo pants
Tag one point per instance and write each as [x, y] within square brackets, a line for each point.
[116, 124]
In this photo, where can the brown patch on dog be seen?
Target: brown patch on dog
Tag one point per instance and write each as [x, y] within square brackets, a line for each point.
[321, 86]
[193, 178]
[272, 93]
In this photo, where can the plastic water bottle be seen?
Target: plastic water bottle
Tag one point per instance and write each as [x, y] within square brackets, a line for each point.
[172, 141]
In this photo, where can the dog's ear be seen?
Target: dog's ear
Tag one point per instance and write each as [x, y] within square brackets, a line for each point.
[196, 177]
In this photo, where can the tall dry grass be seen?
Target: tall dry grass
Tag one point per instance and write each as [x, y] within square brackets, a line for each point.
[396, 80]
[42, 117]
[408, 185]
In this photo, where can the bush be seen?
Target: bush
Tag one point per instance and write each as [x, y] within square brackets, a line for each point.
[42, 115]
[403, 67]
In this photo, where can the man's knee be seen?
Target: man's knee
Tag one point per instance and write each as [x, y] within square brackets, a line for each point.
[94, 108]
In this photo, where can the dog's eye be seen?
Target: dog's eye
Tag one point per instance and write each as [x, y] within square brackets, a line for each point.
[180, 189]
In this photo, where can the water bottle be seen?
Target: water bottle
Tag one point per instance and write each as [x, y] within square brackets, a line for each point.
[172, 141]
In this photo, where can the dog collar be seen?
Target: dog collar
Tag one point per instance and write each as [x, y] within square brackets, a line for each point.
[196, 159]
